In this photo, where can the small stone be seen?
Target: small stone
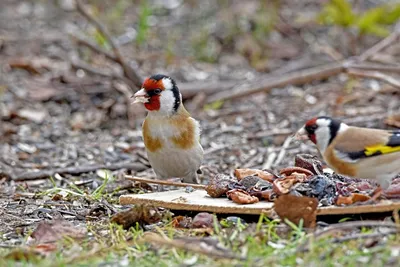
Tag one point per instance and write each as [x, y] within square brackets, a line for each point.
[203, 220]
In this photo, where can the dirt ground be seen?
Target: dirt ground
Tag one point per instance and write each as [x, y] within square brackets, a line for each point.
[63, 121]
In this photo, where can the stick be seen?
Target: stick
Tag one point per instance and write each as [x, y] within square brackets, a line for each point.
[376, 75]
[363, 236]
[381, 45]
[282, 153]
[130, 73]
[271, 81]
[78, 170]
[78, 64]
[92, 46]
[376, 67]
[156, 181]
[345, 225]
[194, 245]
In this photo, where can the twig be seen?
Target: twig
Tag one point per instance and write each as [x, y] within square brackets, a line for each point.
[195, 245]
[190, 89]
[94, 47]
[78, 64]
[270, 160]
[271, 81]
[130, 73]
[376, 67]
[77, 170]
[376, 75]
[282, 153]
[381, 45]
[271, 132]
[345, 225]
[156, 181]
[363, 236]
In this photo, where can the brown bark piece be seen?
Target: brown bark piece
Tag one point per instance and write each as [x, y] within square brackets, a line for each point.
[295, 208]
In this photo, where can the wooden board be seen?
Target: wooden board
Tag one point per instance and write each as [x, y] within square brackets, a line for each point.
[198, 200]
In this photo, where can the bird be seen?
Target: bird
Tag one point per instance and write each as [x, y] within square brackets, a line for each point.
[171, 136]
[355, 151]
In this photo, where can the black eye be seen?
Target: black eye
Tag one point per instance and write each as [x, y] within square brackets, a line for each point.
[157, 91]
[311, 128]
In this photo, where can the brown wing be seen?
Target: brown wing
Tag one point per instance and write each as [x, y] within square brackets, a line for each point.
[357, 139]
[356, 143]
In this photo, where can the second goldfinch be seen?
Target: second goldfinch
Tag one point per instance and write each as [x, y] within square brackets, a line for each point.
[355, 151]
[171, 136]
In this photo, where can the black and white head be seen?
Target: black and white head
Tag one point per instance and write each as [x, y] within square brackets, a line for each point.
[321, 131]
[160, 95]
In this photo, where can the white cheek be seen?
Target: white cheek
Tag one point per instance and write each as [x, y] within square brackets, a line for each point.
[167, 101]
[167, 83]
[322, 135]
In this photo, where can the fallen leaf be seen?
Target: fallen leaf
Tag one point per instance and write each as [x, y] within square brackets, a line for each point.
[295, 208]
[142, 214]
[52, 231]
[23, 254]
[181, 222]
[206, 245]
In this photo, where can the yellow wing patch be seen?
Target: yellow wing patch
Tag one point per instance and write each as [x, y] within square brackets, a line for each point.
[381, 149]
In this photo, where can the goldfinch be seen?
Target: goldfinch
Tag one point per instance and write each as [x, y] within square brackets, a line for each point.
[171, 136]
[354, 151]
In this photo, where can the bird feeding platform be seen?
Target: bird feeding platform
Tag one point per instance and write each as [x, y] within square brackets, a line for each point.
[200, 201]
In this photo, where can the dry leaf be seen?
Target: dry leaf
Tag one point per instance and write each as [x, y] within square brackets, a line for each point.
[206, 245]
[139, 214]
[295, 208]
[181, 222]
[52, 231]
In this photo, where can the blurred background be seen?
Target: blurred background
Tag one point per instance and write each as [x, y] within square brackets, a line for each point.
[65, 93]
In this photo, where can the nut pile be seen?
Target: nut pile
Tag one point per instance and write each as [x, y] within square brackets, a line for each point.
[306, 178]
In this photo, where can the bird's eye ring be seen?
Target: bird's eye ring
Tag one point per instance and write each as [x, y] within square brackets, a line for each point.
[157, 91]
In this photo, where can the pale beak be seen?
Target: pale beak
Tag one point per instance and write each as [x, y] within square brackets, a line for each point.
[301, 135]
[141, 96]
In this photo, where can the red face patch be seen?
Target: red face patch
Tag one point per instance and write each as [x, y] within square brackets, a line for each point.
[150, 84]
[312, 138]
[154, 103]
[154, 100]
[310, 128]
[311, 122]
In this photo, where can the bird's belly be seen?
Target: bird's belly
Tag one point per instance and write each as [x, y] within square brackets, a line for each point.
[173, 162]
[382, 165]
